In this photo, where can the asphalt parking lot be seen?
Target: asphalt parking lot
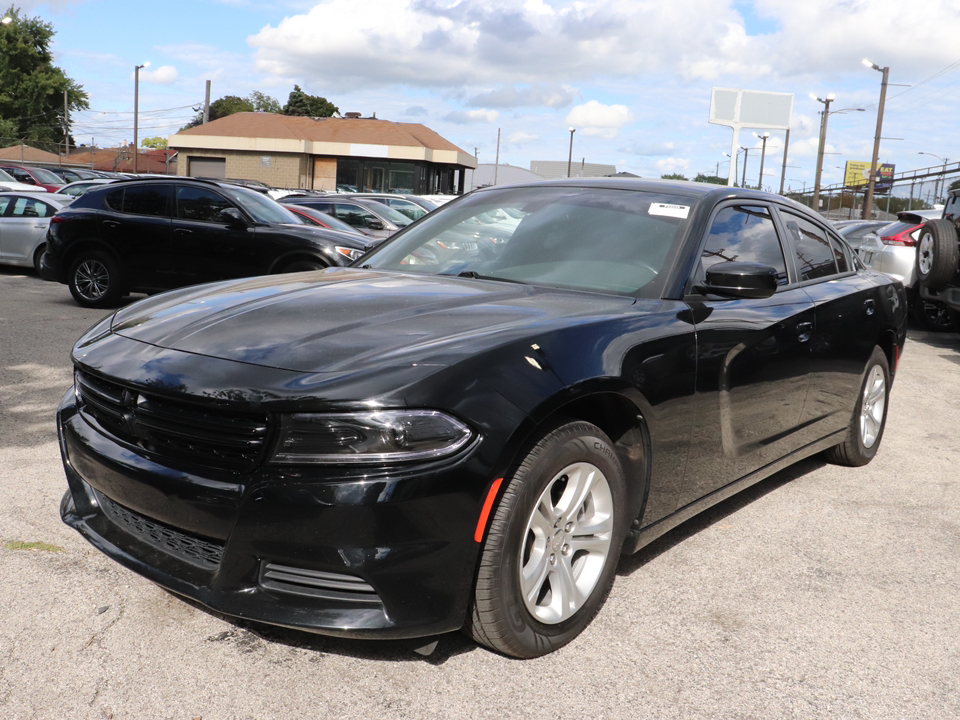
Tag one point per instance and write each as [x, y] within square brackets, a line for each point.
[822, 592]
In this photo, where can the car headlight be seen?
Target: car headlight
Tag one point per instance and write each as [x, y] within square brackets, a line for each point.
[351, 253]
[379, 436]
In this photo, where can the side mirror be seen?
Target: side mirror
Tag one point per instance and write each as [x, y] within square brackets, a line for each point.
[375, 225]
[232, 217]
[741, 280]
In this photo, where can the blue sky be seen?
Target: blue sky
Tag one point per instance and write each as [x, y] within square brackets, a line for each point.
[633, 76]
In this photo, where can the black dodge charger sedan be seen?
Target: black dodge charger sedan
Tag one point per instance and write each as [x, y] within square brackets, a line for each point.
[440, 439]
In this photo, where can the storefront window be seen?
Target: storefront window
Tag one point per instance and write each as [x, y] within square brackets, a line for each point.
[348, 175]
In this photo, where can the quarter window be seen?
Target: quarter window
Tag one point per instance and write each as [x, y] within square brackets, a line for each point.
[744, 233]
[816, 255]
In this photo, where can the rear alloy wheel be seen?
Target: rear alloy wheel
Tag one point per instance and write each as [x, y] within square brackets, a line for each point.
[95, 280]
[37, 255]
[869, 416]
[933, 315]
[553, 544]
[937, 254]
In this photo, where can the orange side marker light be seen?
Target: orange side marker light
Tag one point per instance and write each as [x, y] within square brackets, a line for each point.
[487, 507]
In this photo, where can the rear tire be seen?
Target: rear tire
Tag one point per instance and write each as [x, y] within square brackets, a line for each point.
[37, 256]
[553, 544]
[932, 315]
[869, 416]
[937, 254]
[95, 280]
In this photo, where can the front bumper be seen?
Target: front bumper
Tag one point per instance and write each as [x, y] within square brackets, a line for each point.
[371, 554]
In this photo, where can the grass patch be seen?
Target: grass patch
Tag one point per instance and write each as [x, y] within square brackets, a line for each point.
[21, 545]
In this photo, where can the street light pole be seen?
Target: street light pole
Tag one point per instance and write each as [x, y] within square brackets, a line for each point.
[823, 143]
[871, 185]
[936, 191]
[570, 156]
[746, 156]
[763, 154]
[136, 108]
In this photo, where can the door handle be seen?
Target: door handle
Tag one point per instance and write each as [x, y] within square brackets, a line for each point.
[111, 223]
[183, 231]
[870, 307]
[804, 331]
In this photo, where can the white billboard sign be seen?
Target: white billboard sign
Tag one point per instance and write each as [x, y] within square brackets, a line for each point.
[749, 108]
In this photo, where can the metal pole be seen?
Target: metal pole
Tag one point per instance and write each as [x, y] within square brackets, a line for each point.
[570, 156]
[496, 166]
[136, 111]
[783, 172]
[763, 154]
[66, 126]
[868, 200]
[746, 156]
[820, 151]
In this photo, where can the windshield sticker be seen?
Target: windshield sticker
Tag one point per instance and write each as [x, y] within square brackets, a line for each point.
[677, 211]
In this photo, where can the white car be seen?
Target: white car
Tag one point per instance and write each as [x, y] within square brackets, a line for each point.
[8, 182]
[24, 219]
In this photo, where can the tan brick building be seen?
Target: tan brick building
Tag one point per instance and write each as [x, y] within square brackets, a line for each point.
[350, 153]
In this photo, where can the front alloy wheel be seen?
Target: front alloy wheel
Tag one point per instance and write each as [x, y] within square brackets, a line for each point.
[552, 546]
[95, 280]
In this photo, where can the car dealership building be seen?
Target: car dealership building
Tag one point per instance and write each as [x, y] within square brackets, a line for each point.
[349, 153]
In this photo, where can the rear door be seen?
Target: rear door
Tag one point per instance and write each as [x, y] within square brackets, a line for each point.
[136, 225]
[25, 221]
[753, 356]
[848, 322]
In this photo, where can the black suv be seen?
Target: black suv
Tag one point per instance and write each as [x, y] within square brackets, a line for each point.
[151, 234]
[938, 255]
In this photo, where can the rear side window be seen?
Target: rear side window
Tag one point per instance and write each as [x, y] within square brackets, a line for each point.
[816, 254]
[139, 200]
[27, 207]
[744, 233]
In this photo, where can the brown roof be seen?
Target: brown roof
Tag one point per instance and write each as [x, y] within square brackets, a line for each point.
[368, 131]
[121, 159]
[25, 153]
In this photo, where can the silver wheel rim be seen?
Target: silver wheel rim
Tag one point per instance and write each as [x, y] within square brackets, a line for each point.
[925, 255]
[566, 543]
[92, 279]
[874, 402]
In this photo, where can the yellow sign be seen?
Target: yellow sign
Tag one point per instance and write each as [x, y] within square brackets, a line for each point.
[857, 175]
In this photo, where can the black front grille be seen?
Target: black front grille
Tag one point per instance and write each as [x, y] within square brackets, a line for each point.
[315, 583]
[170, 429]
[191, 549]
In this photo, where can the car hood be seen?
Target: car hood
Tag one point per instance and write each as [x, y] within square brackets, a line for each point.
[348, 319]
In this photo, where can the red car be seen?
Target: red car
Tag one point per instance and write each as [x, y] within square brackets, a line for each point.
[35, 176]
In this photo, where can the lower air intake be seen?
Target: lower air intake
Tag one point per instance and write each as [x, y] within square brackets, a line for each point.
[314, 583]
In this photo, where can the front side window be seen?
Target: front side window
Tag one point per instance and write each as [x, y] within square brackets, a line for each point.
[815, 253]
[200, 204]
[28, 207]
[5, 200]
[744, 233]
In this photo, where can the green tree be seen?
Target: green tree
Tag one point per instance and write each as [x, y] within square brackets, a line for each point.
[264, 103]
[31, 86]
[712, 179]
[954, 185]
[300, 103]
[673, 176]
[157, 143]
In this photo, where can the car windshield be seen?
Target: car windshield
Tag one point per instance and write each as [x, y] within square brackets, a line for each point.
[45, 176]
[262, 208]
[4, 175]
[594, 239]
[384, 211]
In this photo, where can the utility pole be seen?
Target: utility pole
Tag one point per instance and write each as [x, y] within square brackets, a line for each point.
[66, 125]
[823, 143]
[206, 105]
[868, 200]
[496, 167]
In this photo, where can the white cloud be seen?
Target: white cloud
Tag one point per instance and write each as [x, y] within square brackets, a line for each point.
[163, 75]
[672, 165]
[522, 138]
[595, 119]
[469, 117]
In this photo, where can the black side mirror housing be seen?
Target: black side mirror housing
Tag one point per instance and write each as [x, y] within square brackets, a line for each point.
[741, 280]
[232, 217]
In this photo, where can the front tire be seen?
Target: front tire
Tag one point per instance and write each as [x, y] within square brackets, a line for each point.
[553, 544]
[937, 254]
[95, 280]
[869, 416]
